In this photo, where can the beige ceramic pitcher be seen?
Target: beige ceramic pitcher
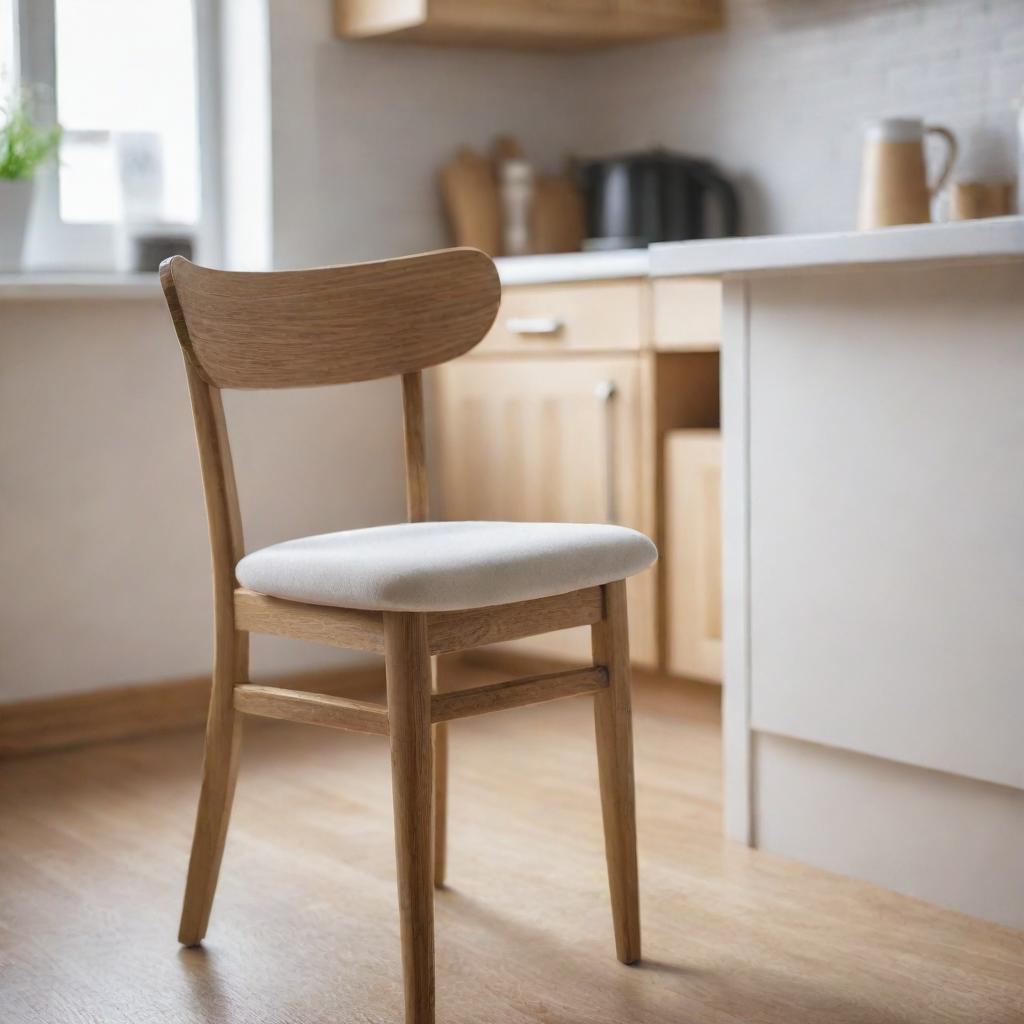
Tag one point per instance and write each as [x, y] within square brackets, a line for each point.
[894, 185]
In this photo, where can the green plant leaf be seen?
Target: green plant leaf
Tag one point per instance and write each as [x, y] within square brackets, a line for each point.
[25, 146]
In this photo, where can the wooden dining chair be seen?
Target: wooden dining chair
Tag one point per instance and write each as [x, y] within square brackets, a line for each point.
[409, 591]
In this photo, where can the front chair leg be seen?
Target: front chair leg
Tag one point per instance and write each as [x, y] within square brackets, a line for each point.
[409, 685]
[220, 767]
[614, 728]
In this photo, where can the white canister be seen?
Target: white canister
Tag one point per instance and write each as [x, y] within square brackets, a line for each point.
[516, 204]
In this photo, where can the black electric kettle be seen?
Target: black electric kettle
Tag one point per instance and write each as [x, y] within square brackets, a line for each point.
[657, 196]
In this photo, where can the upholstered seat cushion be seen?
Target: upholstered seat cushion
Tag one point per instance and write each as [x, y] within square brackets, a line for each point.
[421, 567]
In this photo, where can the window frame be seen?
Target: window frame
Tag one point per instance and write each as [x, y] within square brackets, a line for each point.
[55, 244]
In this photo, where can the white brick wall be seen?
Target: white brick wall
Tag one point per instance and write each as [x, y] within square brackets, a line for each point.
[780, 97]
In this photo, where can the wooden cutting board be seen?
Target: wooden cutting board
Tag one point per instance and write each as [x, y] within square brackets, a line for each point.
[472, 202]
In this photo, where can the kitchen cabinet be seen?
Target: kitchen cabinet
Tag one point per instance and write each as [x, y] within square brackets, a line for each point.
[693, 553]
[542, 24]
[561, 414]
[557, 439]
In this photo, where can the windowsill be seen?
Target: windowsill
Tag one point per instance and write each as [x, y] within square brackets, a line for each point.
[32, 287]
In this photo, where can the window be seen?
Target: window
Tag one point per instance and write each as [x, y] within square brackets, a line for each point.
[8, 51]
[121, 78]
[126, 97]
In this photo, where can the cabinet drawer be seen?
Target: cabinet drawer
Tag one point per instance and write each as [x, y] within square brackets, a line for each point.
[560, 317]
[687, 313]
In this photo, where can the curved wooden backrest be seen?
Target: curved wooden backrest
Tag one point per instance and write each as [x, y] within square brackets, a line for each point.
[332, 325]
[307, 327]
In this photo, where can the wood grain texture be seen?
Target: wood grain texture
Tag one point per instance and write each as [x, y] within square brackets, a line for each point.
[463, 630]
[614, 728]
[351, 628]
[230, 661]
[686, 313]
[472, 201]
[692, 553]
[516, 693]
[92, 845]
[417, 487]
[145, 709]
[510, 448]
[409, 684]
[220, 769]
[330, 325]
[543, 24]
[590, 316]
[312, 709]
[439, 734]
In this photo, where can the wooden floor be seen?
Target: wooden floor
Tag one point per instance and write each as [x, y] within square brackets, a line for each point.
[93, 847]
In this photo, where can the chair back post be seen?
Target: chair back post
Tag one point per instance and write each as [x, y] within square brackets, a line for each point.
[223, 513]
[417, 496]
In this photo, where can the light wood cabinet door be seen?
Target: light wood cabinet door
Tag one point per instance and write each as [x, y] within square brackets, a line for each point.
[693, 553]
[551, 439]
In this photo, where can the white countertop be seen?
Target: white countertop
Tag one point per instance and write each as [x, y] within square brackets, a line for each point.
[573, 266]
[549, 269]
[37, 286]
[998, 237]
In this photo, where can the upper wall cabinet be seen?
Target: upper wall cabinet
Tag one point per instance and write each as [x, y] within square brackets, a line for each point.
[547, 24]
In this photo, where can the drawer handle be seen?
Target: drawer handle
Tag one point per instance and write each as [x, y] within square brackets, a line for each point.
[534, 324]
[605, 393]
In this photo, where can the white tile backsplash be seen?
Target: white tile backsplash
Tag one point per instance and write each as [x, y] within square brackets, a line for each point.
[779, 97]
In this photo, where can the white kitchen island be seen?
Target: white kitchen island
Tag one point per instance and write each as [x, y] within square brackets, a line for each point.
[873, 426]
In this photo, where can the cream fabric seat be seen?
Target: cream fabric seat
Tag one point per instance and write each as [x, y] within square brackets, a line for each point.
[424, 567]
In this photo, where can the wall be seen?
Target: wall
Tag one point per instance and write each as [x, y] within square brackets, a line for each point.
[103, 551]
[780, 97]
[361, 129]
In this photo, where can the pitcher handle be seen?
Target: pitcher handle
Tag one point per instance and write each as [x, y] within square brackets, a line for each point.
[951, 152]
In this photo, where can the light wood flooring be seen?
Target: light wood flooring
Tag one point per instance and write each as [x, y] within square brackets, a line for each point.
[94, 844]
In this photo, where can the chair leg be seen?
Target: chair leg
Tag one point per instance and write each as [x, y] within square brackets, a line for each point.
[409, 685]
[220, 766]
[440, 788]
[614, 729]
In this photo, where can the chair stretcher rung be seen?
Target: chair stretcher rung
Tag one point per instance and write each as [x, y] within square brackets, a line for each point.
[312, 708]
[516, 693]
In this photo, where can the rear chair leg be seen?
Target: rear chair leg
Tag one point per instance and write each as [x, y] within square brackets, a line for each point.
[409, 686]
[613, 722]
[440, 788]
[220, 766]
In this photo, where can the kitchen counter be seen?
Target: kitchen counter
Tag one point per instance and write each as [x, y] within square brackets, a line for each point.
[872, 423]
[916, 243]
[37, 287]
[573, 266]
[513, 270]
